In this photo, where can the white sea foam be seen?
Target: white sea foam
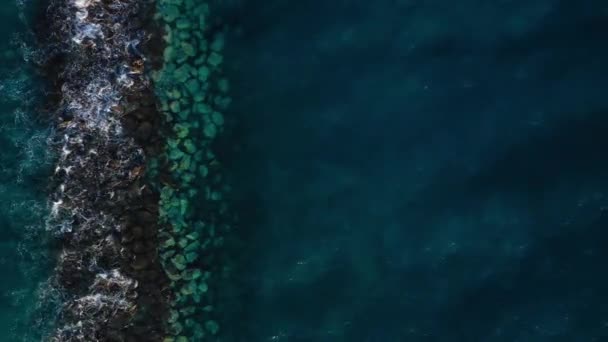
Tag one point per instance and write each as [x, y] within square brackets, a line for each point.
[93, 168]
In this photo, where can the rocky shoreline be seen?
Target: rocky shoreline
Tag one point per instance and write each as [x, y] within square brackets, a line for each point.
[103, 213]
[140, 203]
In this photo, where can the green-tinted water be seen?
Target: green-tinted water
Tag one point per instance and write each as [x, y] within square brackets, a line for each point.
[24, 169]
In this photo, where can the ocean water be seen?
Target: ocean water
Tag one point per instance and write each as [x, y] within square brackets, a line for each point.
[403, 170]
[25, 165]
[422, 170]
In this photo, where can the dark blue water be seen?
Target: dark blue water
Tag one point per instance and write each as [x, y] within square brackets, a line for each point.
[423, 170]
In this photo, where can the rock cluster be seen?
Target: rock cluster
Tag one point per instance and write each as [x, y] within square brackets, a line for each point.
[102, 212]
[193, 97]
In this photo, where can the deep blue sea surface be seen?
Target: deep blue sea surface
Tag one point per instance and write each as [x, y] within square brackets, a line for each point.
[407, 170]
[423, 170]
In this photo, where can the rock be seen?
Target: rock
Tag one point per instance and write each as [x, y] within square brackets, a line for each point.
[189, 146]
[199, 332]
[188, 178]
[210, 131]
[202, 108]
[192, 246]
[174, 94]
[177, 328]
[183, 24]
[144, 217]
[140, 262]
[193, 236]
[169, 53]
[203, 171]
[187, 289]
[126, 238]
[193, 86]
[170, 13]
[223, 85]
[184, 114]
[217, 118]
[185, 165]
[215, 59]
[212, 327]
[176, 154]
[191, 257]
[144, 131]
[173, 275]
[218, 43]
[150, 231]
[189, 322]
[202, 287]
[222, 102]
[173, 316]
[198, 97]
[187, 311]
[182, 130]
[137, 232]
[184, 35]
[129, 123]
[203, 73]
[175, 107]
[179, 261]
[182, 73]
[167, 254]
[215, 196]
[191, 274]
[139, 247]
[188, 49]
[150, 275]
[170, 242]
[202, 57]
[183, 242]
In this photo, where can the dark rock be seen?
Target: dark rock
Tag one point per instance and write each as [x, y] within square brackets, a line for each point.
[126, 238]
[141, 262]
[145, 217]
[137, 231]
[129, 123]
[144, 131]
[150, 275]
[150, 231]
[139, 247]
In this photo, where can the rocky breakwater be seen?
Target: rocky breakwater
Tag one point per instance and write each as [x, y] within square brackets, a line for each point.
[194, 191]
[102, 212]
